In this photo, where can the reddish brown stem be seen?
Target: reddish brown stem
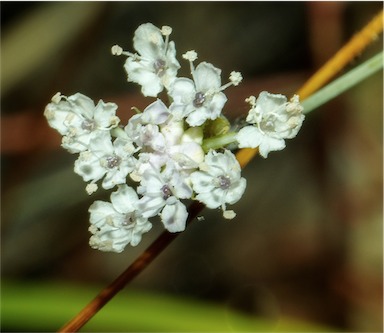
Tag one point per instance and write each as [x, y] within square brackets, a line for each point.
[128, 275]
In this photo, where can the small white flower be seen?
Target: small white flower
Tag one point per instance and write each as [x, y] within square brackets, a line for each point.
[219, 181]
[200, 99]
[162, 192]
[273, 119]
[118, 223]
[113, 161]
[142, 128]
[78, 119]
[155, 67]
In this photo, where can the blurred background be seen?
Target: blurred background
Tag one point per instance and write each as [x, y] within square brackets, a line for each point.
[307, 240]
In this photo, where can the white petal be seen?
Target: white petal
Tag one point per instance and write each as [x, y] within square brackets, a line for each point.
[216, 105]
[212, 199]
[148, 40]
[267, 102]
[105, 114]
[88, 166]
[155, 113]
[207, 77]
[182, 91]
[270, 144]
[202, 182]
[124, 199]
[236, 191]
[101, 142]
[82, 105]
[141, 228]
[137, 72]
[150, 206]
[56, 115]
[174, 217]
[197, 117]
[99, 210]
[249, 137]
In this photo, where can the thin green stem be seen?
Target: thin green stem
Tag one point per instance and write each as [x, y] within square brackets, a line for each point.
[343, 83]
[219, 141]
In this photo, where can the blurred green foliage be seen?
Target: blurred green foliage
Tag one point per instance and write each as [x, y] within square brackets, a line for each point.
[47, 306]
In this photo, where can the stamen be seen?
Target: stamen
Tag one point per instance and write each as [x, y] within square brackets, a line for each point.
[234, 78]
[117, 51]
[166, 31]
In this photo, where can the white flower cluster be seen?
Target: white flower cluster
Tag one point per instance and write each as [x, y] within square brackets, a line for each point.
[160, 150]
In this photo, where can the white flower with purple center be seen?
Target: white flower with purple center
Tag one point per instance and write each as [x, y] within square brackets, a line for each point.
[272, 120]
[118, 223]
[219, 181]
[143, 128]
[156, 66]
[111, 160]
[162, 192]
[78, 119]
[202, 98]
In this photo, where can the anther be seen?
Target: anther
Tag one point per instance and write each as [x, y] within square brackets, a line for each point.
[116, 50]
[166, 192]
[224, 182]
[166, 30]
[199, 100]
[159, 67]
[56, 98]
[190, 55]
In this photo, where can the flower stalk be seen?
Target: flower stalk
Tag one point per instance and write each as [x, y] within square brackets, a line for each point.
[219, 141]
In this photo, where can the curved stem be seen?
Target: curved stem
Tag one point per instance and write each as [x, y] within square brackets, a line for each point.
[128, 275]
[244, 156]
[344, 56]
